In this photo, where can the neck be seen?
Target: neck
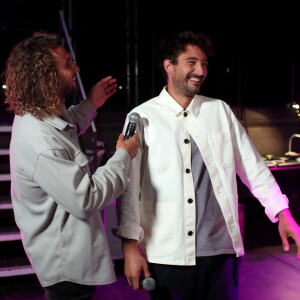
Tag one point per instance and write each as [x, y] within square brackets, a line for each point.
[182, 100]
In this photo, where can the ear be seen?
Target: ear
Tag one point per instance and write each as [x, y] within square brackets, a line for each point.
[168, 66]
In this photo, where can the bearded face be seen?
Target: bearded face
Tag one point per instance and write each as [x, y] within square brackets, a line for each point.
[66, 72]
[188, 75]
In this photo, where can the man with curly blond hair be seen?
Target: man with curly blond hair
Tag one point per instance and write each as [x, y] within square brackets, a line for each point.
[56, 199]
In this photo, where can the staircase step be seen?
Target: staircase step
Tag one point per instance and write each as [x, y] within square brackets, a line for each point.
[13, 261]
[5, 177]
[16, 271]
[16, 267]
[5, 203]
[4, 151]
[5, 128]
[10, 233]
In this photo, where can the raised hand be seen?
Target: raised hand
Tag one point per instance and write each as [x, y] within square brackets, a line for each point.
[102, 90]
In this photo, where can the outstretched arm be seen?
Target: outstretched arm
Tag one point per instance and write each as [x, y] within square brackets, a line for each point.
[288, 228]
[82, 114]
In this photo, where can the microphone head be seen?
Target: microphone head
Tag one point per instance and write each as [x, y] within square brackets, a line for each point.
[148, 284]
[134, 118]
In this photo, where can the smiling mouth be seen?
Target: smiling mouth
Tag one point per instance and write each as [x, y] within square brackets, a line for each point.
[75, 82]
[194, 79]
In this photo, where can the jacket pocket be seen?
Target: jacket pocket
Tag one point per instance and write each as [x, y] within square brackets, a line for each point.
[223, 147]
[159, 221]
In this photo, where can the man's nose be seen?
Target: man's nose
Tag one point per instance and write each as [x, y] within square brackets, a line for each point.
[76, 68]
[200, 70]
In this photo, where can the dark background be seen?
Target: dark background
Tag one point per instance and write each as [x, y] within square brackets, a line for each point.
[257, 45]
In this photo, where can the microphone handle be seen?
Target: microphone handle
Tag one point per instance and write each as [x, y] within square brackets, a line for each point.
[130, 130]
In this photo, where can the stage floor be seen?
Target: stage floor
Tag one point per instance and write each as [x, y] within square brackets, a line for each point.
[266, 273]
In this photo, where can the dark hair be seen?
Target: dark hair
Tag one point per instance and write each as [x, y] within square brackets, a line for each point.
[171, 47]
[31, 76]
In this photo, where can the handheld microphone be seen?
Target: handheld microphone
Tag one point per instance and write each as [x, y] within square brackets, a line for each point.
[134, 119]
[147, 283]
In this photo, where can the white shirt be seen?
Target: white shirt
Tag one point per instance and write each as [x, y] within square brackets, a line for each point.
[155, 209]
[57, 201]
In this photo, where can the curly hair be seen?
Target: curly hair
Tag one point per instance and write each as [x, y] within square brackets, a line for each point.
[31, 78]
[171, 47]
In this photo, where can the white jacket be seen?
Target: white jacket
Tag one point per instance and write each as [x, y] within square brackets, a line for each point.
[155, 208]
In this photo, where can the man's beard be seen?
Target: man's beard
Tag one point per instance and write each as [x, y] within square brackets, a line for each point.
[191, 92]
[184, 88]
[67, 91]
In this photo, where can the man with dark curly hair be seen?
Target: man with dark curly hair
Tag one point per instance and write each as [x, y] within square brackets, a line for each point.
[56, 199]
[181, 204]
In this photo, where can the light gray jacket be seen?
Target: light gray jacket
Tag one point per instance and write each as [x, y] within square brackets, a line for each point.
[57, 202]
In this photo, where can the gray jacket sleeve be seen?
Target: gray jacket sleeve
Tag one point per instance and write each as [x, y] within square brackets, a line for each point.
[72, 186]
[81, 115]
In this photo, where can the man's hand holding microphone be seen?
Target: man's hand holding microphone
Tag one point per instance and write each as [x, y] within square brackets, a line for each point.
[129, 142]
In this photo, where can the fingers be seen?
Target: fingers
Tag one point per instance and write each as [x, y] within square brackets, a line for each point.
[131, 145]
[111, 90]
[108, 82]
[284, 239]
[288, 228]
[106, 79]
[109, 86]
[285, 243]
[135, 137]
[134, 281]
[130, 282]
[146, 271]
[298, 251]
[297, 242]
